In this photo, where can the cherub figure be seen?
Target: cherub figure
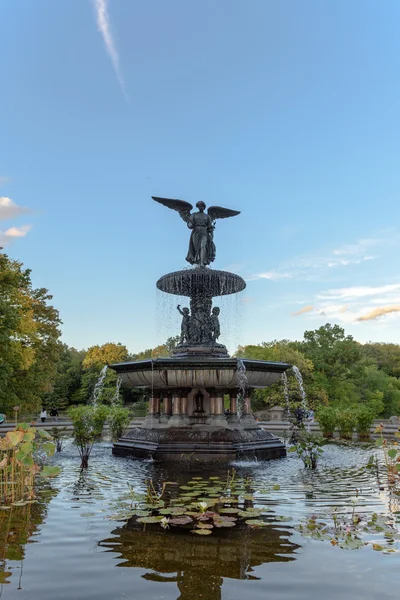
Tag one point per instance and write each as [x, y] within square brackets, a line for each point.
[214, 321]
[185, 326]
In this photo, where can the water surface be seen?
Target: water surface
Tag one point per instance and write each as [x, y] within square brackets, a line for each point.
[66, 547]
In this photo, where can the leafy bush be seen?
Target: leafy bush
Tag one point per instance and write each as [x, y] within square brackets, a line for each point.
[119, 419]
[327, 418]
[347, 421]
[365, 418]
[88, 422]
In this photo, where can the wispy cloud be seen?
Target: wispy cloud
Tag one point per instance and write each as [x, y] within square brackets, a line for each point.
[356, 292]
[10, 210]
[322, 264]
[103, 23]
[13, 232]
[303, 310]
[274, 275]
[379, 312]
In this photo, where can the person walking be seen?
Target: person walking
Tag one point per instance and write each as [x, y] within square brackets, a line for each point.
[43, 415]
[54, 414]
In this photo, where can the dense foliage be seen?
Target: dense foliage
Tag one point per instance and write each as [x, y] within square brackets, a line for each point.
[337, 371]
[37, 369]
[29, 339]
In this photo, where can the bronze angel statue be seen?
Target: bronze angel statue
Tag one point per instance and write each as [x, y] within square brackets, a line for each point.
[201, 245]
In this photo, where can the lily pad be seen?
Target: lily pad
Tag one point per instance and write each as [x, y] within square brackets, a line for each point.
[224, 523]
[204, 525]
[232, 511]
[256, 523]
[213, 478]
[149, 519]
[202, 531]
[185, 520]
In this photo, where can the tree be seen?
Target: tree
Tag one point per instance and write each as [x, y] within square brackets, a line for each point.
[29, 338]
[68, 379]
[330, 350]
[107, 354]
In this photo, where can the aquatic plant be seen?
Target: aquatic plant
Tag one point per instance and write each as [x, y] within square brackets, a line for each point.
[88, 422]
[58, 435]
[200, 505]
[309, 449]
[391, 454]
[350, 530]
[20, 454]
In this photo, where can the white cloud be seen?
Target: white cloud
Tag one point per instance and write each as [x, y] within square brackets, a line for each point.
[353, 293]
[103, 23]
[274, 275]
[13, 232]
[359, 247]
[10, 210]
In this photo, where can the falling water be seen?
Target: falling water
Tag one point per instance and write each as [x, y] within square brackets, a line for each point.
[286, 395]
[98, 388]
[116, 399]
[304, 405]
[242, 384]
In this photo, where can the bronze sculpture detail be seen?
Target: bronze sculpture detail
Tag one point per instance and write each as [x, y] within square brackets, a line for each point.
[201, 245]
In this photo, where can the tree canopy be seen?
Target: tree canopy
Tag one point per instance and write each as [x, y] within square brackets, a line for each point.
[29, 338]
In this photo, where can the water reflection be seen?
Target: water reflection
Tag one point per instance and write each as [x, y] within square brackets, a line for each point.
[18, 525]
[199, 564]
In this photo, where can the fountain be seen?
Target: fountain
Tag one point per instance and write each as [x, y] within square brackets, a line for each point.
[187, 391]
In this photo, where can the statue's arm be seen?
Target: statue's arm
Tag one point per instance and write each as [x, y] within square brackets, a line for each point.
[190, 222]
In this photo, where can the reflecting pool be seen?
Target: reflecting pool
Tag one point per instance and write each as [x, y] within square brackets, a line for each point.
[68, 546]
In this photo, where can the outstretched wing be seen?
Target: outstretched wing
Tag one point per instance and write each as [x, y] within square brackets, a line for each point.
[218, 212]
[181, 206]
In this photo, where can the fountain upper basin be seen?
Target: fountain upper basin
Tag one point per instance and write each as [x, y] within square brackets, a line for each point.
[218, 373]
[190, 282]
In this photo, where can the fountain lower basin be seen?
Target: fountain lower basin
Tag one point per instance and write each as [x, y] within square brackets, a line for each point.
[187, 417]
[218, 373]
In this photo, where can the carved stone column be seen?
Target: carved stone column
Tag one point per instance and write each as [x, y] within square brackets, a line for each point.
[233, 416]
[166, 408]
[212, 403]
[217, 417]
[179, 416]
[176, 403]
[152, 419]
[219, 403]
[247, 420]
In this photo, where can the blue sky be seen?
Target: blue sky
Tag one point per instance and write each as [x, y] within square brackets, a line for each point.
[287, 111]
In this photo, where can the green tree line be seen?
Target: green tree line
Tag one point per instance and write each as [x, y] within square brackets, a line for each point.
[37, 369]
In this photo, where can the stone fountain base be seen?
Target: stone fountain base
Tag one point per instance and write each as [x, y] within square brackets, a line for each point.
[203, 444]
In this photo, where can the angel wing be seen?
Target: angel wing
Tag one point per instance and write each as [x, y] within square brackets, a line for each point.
[218, 212]
[181, 206]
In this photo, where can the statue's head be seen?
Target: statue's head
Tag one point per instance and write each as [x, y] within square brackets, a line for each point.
[216, 310]
[201, 205]
[185, 310]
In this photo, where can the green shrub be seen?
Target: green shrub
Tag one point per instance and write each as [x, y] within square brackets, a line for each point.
[88, 422]
[365, 418]
[327, 418]
[119, 419]
[347, 421]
